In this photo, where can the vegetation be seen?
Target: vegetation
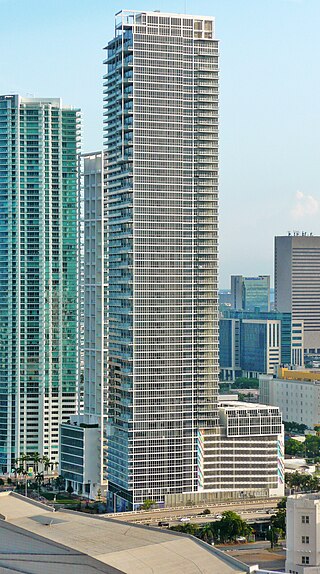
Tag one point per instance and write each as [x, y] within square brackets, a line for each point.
[148, 504]
[310, 448]
[228, 529]
[244, 383]
[302, 482]
[294, 427]
[278, 523]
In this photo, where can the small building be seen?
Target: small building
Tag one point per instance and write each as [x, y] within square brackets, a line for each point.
[244, 457]
[257, 342]
[303, 534]
[296, 393]
[250, 293]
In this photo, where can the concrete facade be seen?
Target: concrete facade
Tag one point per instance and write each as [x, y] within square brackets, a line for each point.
[244, 457]
[303, 534]
[298, 400]
[297, 283]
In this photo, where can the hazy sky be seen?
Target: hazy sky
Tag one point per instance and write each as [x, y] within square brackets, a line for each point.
[270, 102]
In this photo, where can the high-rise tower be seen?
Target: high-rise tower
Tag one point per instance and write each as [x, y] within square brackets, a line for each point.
[39, 141]
[161, 122]
[297, 284]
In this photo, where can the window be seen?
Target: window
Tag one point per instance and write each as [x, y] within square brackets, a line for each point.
[305, 560]
[305, 519]
[305, 539]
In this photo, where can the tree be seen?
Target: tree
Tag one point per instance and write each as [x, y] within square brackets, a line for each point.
[36, 459]
[69, 489]
[294, 427]
[59, 483]
[294, 447]
[312, 446]
[188, 528]
[206, 533]
[278, 521]
[39, 478]
[231, 526]
[148, 504]
[1, 482]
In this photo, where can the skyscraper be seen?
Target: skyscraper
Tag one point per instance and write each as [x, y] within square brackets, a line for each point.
[161, 125]
[297, 283]
[39, 141]
[250, 293]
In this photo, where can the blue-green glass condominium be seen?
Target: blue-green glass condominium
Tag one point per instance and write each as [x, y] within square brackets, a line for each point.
[39, 141]
[161, 110]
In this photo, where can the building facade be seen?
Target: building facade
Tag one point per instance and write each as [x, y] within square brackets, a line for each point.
[161, 113]
[251, 343]
[303, 534]
[245, 457]
[87, 473]
[297, 283]
[39, 142]
[250, 293]
[296, 393]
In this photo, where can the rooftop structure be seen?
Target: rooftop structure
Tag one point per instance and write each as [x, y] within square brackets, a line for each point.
[35, 540]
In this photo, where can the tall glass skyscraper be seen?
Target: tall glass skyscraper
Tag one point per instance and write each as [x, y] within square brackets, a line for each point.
[39, 142]
[161, 122]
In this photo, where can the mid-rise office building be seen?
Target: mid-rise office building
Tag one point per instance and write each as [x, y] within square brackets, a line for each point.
[297, 283]
[303, 534]
[296, 393]
[244, 457]
[161, 112]
[39, 142]
[250, 293]
[251, 343]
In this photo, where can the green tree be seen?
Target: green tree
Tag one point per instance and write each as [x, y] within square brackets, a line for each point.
[148, 504]
[188, 528]
[294, 447]
[312, 446]
[278, 520]
[59, 483]
[294, 427]
[36, 459]
[69, 489]
[206, 533]
[231, 526]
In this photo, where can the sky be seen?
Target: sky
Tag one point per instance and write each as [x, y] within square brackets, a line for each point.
[269, 103]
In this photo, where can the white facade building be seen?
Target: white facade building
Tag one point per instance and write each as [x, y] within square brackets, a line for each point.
[298, 400]
[244, 456]
[161, 114]
[303, 534]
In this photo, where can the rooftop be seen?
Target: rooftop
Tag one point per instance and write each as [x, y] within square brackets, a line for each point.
[35, 539]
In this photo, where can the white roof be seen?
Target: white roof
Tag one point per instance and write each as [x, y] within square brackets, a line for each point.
[31, 530]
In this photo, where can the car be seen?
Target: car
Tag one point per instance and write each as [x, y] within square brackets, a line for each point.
[218, 516]
[163, 523]
[184, 519]
[241, 539]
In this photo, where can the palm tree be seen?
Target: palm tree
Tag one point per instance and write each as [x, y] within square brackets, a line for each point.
[206, 533]
[36, 458]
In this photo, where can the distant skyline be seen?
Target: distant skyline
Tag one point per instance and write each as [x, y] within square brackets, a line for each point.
[270, 93]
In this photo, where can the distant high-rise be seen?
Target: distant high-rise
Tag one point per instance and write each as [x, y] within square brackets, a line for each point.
[161, 109]
[297, 283]
[39, 140]
[250, 293]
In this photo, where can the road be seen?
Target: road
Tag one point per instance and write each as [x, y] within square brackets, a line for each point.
[247, 510]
